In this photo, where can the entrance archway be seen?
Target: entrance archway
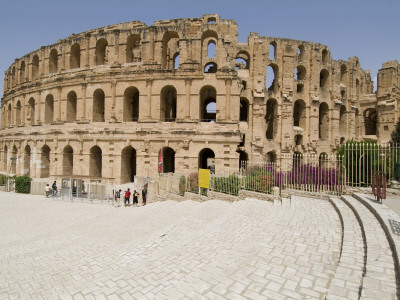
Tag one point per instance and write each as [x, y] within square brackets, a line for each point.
[95, 165]
[128, 164]
[207, 159]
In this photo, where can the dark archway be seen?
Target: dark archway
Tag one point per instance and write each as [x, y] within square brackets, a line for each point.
[168, 104]
[207, 159]
[68, 161]
[98, 106]
[323, 127]
[49, 109]
[208, 104]
[71, 107]
[271, 118]
[27, 161]
[131, 105]
[96, 162]
[128, 164]
[168, 160]
[45, 162]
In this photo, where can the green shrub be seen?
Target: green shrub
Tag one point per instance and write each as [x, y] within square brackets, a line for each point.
[23, 184]
[228, 185]
[182, 185]
[3, 179]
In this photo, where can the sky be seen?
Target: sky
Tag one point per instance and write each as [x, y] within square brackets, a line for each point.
[367, 29]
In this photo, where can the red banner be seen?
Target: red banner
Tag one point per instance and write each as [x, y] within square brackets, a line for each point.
[160, 162]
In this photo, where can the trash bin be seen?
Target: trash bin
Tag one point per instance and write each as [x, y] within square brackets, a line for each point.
[397, 170]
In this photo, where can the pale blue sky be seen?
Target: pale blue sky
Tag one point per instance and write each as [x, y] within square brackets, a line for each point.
[364, 28]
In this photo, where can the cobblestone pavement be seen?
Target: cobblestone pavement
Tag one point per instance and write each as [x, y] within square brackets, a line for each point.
[248, 249]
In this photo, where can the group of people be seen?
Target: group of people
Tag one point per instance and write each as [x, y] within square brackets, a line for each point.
[127, 195]
[52, 189]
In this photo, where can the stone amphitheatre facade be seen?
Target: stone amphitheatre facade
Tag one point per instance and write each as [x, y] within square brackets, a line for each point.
[103, 103]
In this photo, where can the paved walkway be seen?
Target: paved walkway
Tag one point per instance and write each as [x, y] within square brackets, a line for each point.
[167, 250]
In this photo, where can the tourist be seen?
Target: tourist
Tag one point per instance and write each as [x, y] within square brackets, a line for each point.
[83, 186]
[144, 192]
[127, 196]
[135, 198]
[47, 188]
[117, 197]
[54, 188]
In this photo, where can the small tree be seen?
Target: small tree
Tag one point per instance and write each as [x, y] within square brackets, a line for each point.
[396, 133]
[23, 184]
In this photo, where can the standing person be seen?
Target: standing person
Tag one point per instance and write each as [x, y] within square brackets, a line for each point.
[54, 188]
[117, 198]
[83, 186]
[135, 198]
[47, 188]
[127, 196]
[144, 194]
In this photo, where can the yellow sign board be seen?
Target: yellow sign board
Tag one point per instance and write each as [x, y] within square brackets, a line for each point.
[204, 178]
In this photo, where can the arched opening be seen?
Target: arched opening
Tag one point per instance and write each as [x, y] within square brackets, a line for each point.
[131, 104]
[324, 56]
[49, 109]
[208, 103]
[272, 51]
[98, 106]
[128, 164]
[343, 75]
[243, 158]
[22, 78]
[168, 160]
[211, 67]
[5, 159]
[27, 161]
[71, 106]
[299, 114]
[133, 48]
[68, 160]
[75, 56]
[35, 67]
[342, 120]
[169, 49]
[18, 113]
[271, 118]
[244, 110]
[211, 49]
[300, 73]
[9, 115]
[370, 121]
[168, 104]
[323, 121]
[323, 79]
[271, 157]
[323, 160]
[242, 61]
[13, 77]
[300, 52]
[209, 41]
[31, 104]
[95, 164]
[270, 77]
[207, 160]
[176, 61]
[14, 155]
[45, 162]
[53, 61]
[101, 52]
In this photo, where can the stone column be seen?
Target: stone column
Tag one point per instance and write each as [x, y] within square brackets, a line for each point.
[149, 84]
[113, 90]
[37, 109]
[87, 65]
[228, 86]
[43, 68]
[188, 84]
[83, 115]
[116, 46]
[59, 103]
[62, 53]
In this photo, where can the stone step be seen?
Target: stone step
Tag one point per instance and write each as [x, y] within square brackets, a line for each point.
[348, 279]
[379, 281]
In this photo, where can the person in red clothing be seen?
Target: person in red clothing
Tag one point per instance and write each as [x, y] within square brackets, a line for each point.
[127, 196]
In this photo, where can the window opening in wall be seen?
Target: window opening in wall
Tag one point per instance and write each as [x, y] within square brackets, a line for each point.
[244, 84]
[241, 64]
[208, 104]
[243, 158]
[75, 56]
[370, 121]
[271, 118]
[343, 75]
[343, 94]
[207, 160]
[133, 52]
[298, 139]
[176, 61]
[270, 78]
[323, 121]
[31, 103]
[342, 139]
[53, 61]
[168, 160]
[244, 110]
[95, 164]
[71, 106]
[272, 51]
[299, 114]
[357, 88]
[49, 109]
[98, 106]
[68, 160]
[271, 157]
[9, 115]
[300, 88]
[27, 161]
[241, 144]
[22, 73]
[300, 52]
[131, 105]
[342, 120]
[324, 56]
[169, 49]
[168, 104]
[323, 78]
[210, 68]
[211, 49]
[300, 73]
[18, 113]
[35, 67]
[13, 77]
[212, 20]
[128, 165]
[101, 52]
[45, 162]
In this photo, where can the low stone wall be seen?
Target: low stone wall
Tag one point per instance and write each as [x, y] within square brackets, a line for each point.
[243, 194]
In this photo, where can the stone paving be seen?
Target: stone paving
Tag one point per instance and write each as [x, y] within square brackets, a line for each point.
[248, 249]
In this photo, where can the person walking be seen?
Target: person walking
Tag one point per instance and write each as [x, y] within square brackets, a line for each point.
[54, 188]
[117, 198]
[144, 194]
[47, 189]
[127, 196]
[135, 198]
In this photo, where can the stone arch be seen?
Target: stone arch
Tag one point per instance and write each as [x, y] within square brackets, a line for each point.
[271, 118]
[101, 51]
[323, 127]
[272, 50]
[342, 120]
[243, 158]
[168, 104]
[98, 106]
[128, 164]
[242, 60]
[176, 60]
[209, 42]
[22, 72]
[370, 121]
[49, 109]
[300, 73]
[131, 104]
[53, 61]
[271, 77]
[168, 160]
[14, 157]
[18, 113]
[35, 67]
[323, 78]
[169, 49]
[323, 160]
[210, 67]
[96, 162]
[244, 110]
[45, 162]
[207, 159]
[68, 161]
[208, 103]
[31, 104]
[75, 56]
[27, 161]
[71, 106]
[299, 114]
[343, 75]
[300, 52]
[133, 53]
[271, 157]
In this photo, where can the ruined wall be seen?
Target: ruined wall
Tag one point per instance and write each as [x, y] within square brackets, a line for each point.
[104, 102]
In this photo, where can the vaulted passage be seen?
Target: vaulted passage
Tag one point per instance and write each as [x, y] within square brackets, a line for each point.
[68, 160]
[168, 104]
[168, 160]
[128, 164]
[49, 109]
[101, 52]
[299, 114]
[96, 162]
[208, 103]
[131, 105]
[98, 105]
[75, 56]
[207, 159]
[370, 121]
[45, 162]
[27, 161]
[323, 121]
[71, 107]
[271, 117]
